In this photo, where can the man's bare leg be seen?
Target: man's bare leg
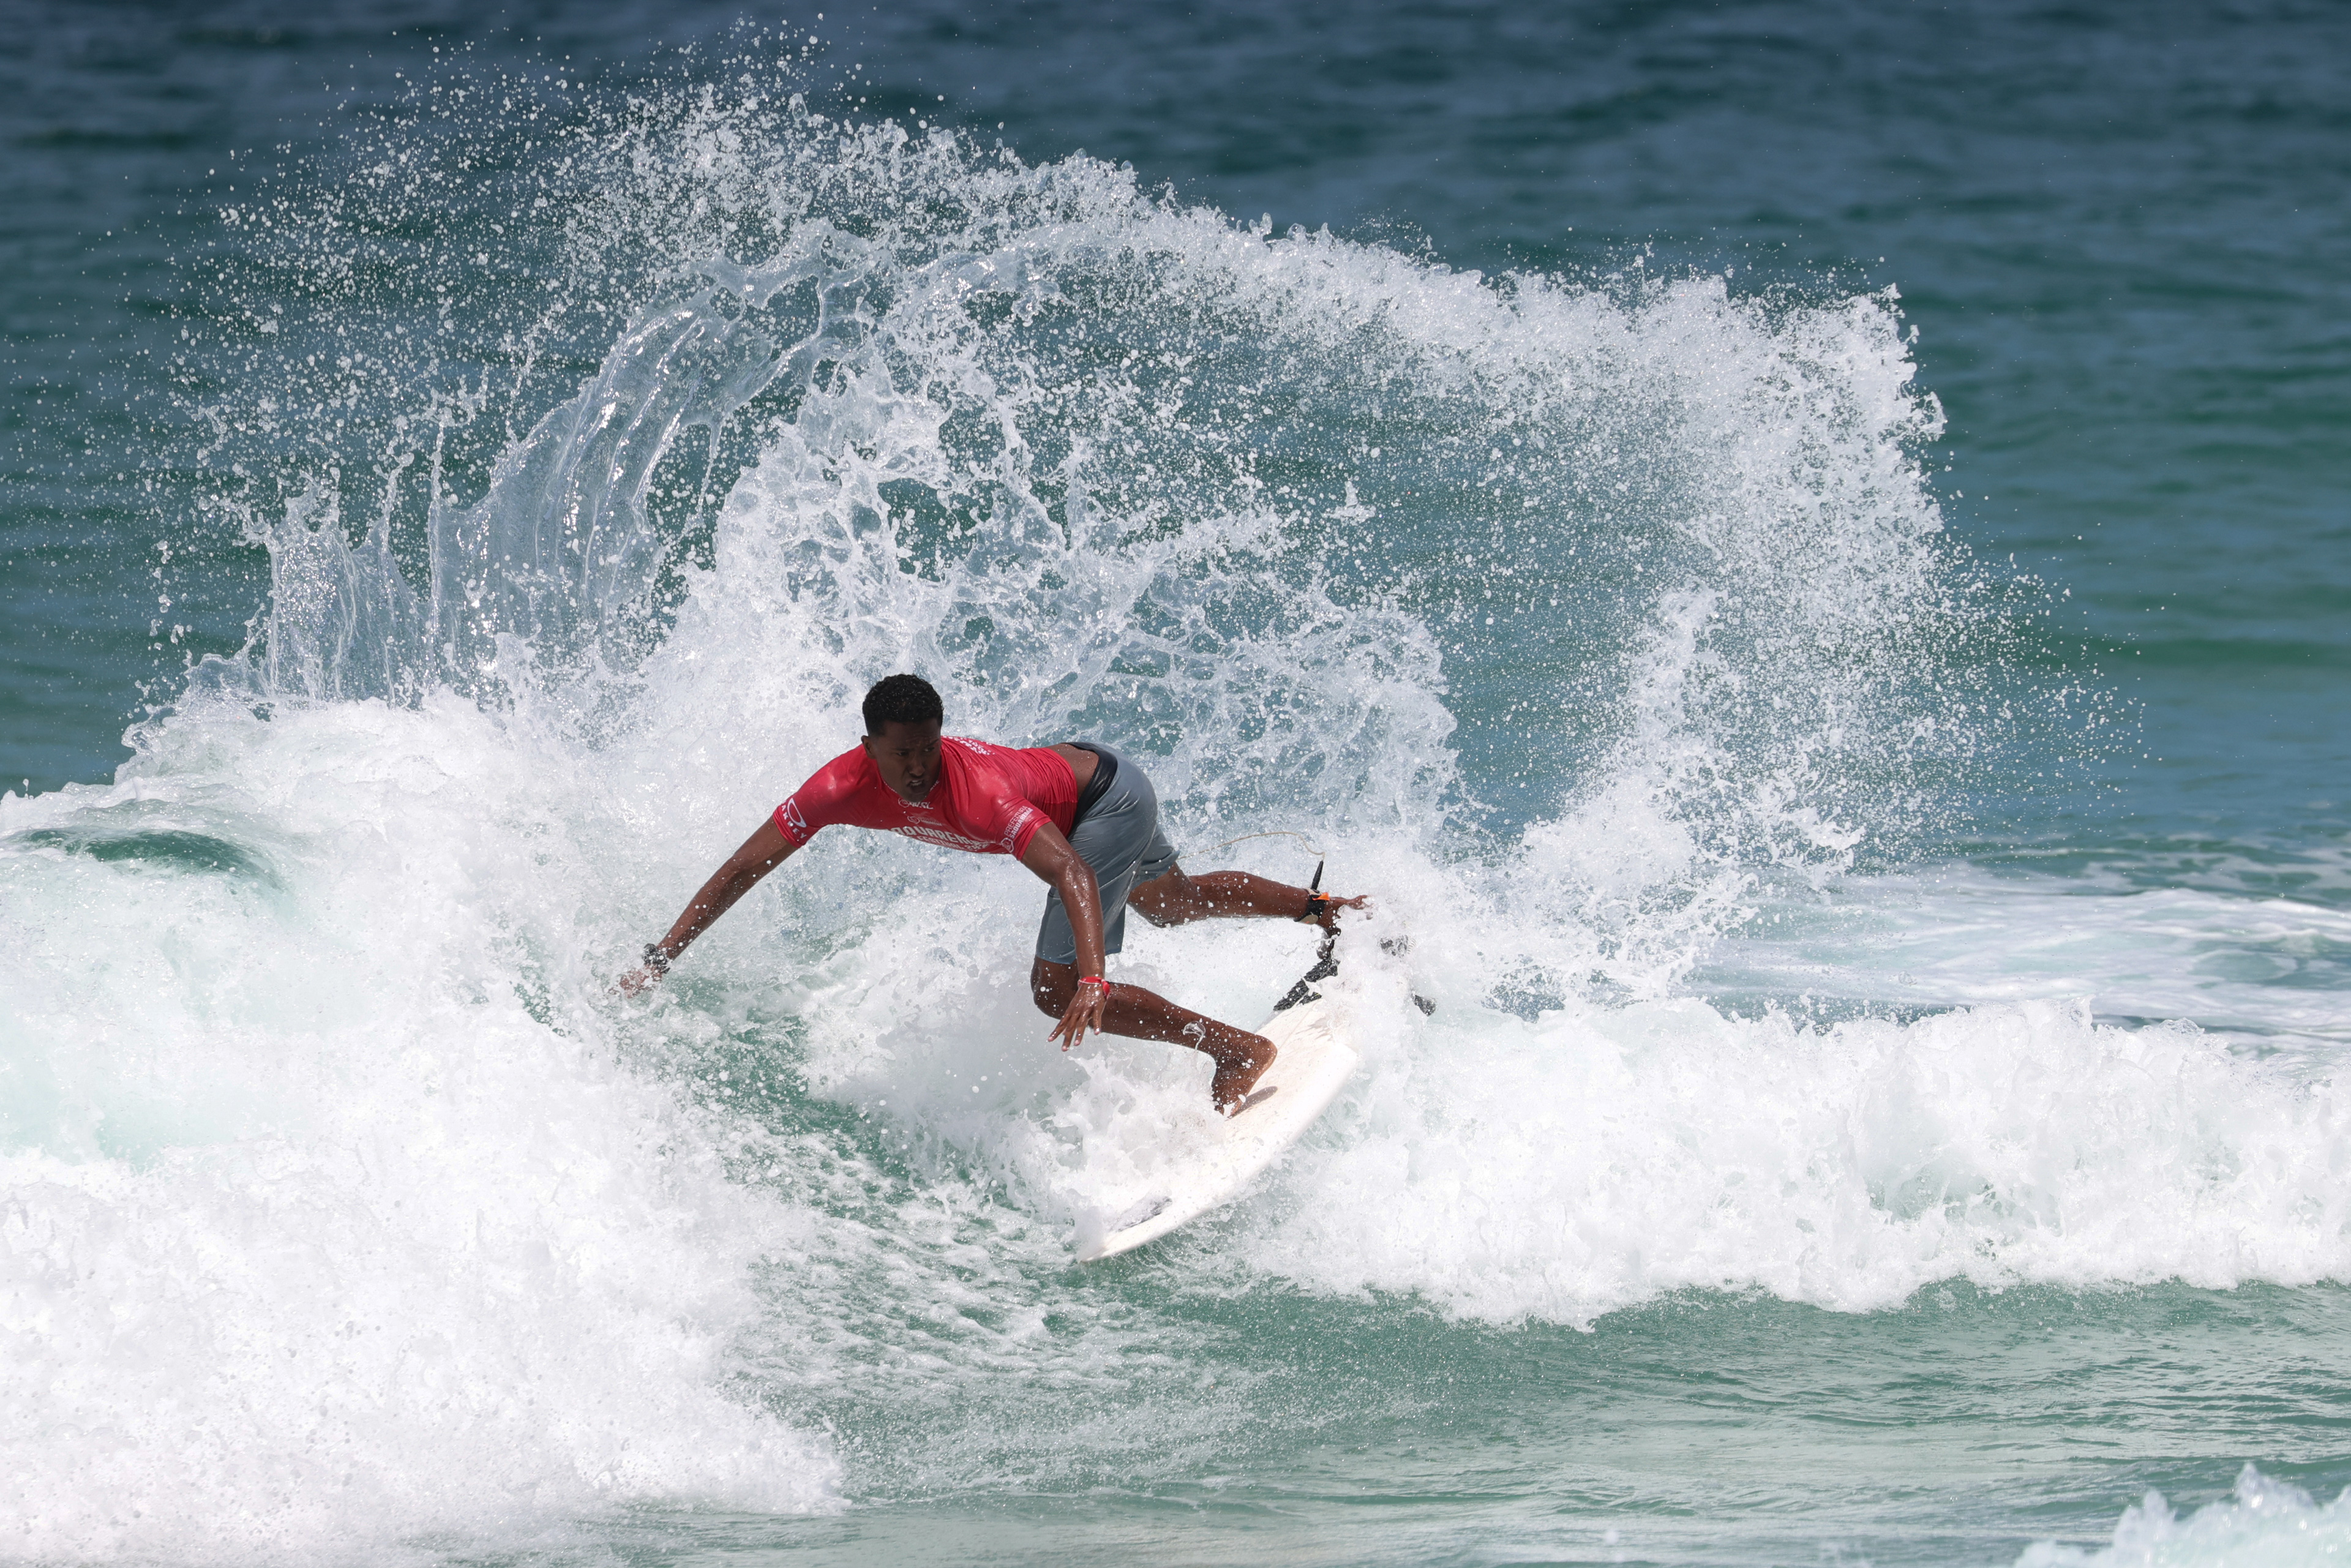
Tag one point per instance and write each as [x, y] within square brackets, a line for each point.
[1241, 1058]
[1177, 898]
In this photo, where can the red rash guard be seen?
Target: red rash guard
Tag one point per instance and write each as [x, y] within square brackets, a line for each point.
[989, 799]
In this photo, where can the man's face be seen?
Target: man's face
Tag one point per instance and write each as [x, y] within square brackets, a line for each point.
[908, 758]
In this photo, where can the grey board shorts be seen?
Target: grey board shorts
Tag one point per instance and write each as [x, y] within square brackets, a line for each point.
[1120, 841]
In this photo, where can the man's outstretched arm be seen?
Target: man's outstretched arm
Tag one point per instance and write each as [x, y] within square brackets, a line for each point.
[760, 854]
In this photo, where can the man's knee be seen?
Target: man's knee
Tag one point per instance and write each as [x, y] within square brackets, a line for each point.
[1050, 985]
[1153, 899]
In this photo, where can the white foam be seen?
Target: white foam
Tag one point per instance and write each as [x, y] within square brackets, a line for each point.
[1596, 1157]
[317, 1231]
[2265, 1523]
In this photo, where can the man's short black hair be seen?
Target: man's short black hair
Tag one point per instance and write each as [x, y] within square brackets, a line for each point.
[902, 699]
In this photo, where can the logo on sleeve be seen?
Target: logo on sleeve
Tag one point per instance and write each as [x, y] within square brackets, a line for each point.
[795, 825]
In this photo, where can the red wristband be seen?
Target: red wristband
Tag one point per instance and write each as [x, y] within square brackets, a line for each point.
[1093, 981]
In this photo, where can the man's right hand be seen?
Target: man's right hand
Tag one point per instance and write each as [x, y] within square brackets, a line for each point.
[637, 980]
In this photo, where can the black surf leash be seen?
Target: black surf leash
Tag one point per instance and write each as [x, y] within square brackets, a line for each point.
[1319, 904]
[1326, 962]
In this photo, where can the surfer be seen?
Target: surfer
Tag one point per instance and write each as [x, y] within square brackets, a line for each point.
[1082, 816]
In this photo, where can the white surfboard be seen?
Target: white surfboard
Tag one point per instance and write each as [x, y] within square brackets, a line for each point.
[1312, 1062]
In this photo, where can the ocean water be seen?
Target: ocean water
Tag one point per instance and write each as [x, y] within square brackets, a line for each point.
[1797, 552]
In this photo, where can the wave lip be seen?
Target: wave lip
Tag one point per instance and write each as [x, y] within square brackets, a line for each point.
[2235, 960]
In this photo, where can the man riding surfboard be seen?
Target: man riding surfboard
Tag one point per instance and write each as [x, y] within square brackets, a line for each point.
[1082, 816]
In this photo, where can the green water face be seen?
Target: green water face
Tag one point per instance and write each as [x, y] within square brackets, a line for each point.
[1699, 1429]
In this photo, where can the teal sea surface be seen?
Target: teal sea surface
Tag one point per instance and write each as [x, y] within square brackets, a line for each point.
[1800, 554]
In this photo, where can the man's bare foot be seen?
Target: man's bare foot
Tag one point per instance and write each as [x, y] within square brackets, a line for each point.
[1238, 1071]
